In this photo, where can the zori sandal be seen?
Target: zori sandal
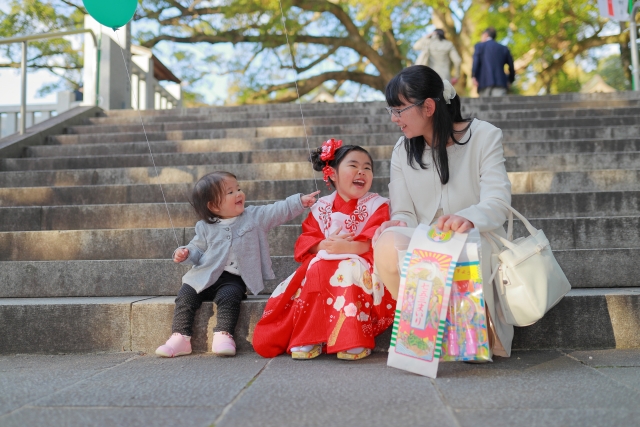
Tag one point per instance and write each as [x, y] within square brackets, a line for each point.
[346, 355]
[306, 352]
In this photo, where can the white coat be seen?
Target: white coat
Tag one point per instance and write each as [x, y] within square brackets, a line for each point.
[439, 55]
[477, 179]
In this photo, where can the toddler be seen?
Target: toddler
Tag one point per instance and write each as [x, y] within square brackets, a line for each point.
[229, 254]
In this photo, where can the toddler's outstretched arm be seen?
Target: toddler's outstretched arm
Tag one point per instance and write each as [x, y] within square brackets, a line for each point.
[269, 216]
[309, 200]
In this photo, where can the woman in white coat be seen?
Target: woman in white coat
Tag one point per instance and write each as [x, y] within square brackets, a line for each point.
[445, 170]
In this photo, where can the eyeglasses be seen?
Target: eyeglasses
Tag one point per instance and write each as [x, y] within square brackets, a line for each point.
[395, 112]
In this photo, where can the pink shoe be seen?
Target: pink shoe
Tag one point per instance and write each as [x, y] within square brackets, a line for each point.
[223, 344]
[176, 345]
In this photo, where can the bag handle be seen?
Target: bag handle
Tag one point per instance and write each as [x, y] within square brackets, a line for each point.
[532, 230]
[510, 226]
[493, 237]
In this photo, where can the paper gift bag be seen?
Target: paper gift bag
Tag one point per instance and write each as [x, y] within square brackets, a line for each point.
[423, 300]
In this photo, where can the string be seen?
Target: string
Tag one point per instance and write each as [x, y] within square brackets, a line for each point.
[293, 67]
[135, 96]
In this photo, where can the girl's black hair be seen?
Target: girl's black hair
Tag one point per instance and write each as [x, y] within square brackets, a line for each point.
[340, 154]
[418, 83]
[209, 188]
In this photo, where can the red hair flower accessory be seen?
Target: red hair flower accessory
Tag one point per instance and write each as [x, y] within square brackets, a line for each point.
[329, 149]
[329, 153]
[327, 171]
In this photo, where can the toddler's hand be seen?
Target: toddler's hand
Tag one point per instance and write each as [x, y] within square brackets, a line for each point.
[384, 226]
[336, 236]
[309, 200]
[180, 254]
[337, 246]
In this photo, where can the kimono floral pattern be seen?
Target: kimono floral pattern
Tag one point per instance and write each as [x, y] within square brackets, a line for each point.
[336, 302]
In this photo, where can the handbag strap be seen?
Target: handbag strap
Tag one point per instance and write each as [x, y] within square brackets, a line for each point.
[521, 217]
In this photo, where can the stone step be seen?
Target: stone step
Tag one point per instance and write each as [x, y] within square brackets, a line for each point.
[377, 119]
[164, 175]
[174, 193]
[108, 278]
[375, 109]
[92, 217]
[323, 132]
[562, 97]
[196, 145]
[174, 174]
[574, 162]
[503, 104]
[195, 115]
[154, 215]
[136, 243]
[344, 132]
[538, 148]
[597, 318]
[585, 268]
[172, 159]
[555, 114]
[252, 144]
[568, 100]
[93, 194]
[157, 243]
[212, 123]
[565, 162]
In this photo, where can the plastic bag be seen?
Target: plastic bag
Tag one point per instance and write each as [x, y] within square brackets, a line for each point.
[466, 335]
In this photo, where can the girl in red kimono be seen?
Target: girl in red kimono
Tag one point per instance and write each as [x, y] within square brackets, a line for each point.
[332, 302]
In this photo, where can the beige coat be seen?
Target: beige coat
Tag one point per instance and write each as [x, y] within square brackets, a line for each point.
[439, 55]
[478, 179]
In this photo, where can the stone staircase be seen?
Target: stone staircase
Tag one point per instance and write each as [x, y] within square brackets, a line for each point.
[85, 238]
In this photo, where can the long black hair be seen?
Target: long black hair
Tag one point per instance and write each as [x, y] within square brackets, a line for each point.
[418, 83]
[340, 154]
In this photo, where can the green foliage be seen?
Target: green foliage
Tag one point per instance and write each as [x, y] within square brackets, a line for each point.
[610, 68]
[545, 35]
[340, 45]
[192, 100]
[59, 56]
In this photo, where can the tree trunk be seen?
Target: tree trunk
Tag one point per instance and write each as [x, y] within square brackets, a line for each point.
[625, 55]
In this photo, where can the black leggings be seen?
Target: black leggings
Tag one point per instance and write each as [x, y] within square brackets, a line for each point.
[227, 293]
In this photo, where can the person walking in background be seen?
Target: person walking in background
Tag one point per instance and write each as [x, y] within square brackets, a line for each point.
[489, 60]
[440, 54]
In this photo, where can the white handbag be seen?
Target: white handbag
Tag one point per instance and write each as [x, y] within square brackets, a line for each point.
[527, 276]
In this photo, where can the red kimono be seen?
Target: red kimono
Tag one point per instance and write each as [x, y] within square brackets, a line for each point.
[330, 299]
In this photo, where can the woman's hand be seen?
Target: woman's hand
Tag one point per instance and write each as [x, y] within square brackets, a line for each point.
[384, 226]
[180, 254]
[309, 200]
[455, 223]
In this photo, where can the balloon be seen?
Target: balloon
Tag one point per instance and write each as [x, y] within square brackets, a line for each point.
[111, 13]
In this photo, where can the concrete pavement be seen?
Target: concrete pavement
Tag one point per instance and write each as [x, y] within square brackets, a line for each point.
[532, 388]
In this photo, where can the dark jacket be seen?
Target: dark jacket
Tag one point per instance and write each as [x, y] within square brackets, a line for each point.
[489, 60]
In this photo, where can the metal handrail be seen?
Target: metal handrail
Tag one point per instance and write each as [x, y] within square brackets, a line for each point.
[24, 40]
[43, 36]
